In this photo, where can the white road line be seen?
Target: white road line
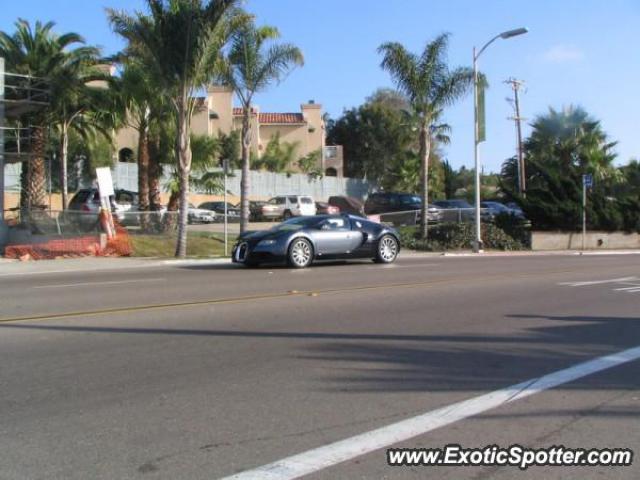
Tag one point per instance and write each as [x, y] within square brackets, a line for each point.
[637, 287]
[92, 284]
[326, 456]
[598, 282]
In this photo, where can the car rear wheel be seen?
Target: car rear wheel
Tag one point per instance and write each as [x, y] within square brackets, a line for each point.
[287, 215]
[300, 253]
[387, 250]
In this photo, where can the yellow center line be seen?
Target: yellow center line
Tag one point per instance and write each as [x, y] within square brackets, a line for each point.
[271, 296]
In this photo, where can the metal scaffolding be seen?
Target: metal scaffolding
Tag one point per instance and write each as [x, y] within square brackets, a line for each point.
[20, 95]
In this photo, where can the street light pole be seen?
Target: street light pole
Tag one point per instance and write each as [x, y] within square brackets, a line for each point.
[478, 246]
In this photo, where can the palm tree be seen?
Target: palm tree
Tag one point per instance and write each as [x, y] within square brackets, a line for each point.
[181, 42]
[430, 86]
[55, 59]
[250, 68]
[574, 139]
[142, 109]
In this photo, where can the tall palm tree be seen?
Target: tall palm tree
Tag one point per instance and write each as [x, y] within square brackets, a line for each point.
[142, 109]
[181, 41]
[430, 86]
[250, 67]
[57, 60]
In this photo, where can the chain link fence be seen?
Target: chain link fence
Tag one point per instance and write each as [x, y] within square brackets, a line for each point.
[435, 216]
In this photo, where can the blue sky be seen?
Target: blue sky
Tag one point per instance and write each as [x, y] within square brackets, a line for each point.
[577, 52]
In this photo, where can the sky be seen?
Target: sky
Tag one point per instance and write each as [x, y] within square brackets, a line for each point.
[580, 52]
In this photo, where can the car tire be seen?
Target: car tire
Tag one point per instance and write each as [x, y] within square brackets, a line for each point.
[387, 249]
[251, 264]
[300, 253]
[287, 215]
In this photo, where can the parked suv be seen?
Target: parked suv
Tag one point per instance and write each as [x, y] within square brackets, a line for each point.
[389, 202]
[84, 207]
[287, 206]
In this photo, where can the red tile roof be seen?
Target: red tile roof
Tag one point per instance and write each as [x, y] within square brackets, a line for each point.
[281, 118]
[275, 118]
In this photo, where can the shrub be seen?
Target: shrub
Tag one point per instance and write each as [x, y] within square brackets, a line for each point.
[458, 236]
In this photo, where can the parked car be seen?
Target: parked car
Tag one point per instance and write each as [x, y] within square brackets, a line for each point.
[301, 241]
[287, 206]
[347, 204]
[255, 210]
[516, 210]
[200, 215]
[497, 208]
[393, 202]
[457, 210]
[233, 211]
[325, 208]
[84, 207]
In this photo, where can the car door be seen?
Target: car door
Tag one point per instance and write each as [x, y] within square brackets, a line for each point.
[335, 237]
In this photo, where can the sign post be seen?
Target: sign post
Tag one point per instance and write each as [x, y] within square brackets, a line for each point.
[2, 126]
[587, 182]
[105, 189]
[225, 168]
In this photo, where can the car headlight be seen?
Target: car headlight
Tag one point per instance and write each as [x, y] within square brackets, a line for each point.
[267, 242]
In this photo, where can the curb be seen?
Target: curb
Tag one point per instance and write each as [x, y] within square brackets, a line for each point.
[204, 261]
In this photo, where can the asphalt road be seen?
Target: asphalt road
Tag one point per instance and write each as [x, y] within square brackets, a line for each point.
[197, 372]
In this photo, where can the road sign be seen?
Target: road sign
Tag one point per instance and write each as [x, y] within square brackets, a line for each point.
[587, 180]
[105, 182]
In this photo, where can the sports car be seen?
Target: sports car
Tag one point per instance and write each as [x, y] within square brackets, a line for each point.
[302, 240]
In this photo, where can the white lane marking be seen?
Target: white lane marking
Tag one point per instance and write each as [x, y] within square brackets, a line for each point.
[92, 284]
[598, 282]
[83, 270]
[326, 456]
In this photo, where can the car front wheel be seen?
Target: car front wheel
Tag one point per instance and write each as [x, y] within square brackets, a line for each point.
[387, 250]
[300, 253]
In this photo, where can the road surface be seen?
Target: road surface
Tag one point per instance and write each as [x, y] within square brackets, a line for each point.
[201, 372]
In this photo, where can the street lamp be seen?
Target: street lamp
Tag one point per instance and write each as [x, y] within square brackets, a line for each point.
[504, 35]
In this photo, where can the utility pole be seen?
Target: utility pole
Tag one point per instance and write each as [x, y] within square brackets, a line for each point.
[516, 85]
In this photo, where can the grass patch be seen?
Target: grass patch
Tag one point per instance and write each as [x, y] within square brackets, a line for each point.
[199, 245]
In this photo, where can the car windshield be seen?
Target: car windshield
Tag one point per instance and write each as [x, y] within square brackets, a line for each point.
[297, 223]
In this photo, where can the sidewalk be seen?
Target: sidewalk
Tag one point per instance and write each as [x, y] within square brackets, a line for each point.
[16, 267]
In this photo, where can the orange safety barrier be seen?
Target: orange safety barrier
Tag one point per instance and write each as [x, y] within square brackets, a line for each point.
[89, 245]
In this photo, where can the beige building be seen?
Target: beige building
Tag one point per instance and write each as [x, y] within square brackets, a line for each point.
[216, 113]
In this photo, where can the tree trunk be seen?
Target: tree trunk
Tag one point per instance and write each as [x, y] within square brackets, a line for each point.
[64, 153]
[36, 174]
[425, 150]
[244, 181]
[183, 152]
[143, 176]
[155, 172]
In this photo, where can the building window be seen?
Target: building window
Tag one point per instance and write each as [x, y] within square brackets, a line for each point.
[125, 155]
[331, 172]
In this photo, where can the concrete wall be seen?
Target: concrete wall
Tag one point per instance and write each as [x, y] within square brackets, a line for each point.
[593, 240]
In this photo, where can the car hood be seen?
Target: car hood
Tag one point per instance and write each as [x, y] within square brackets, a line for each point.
[256, 236]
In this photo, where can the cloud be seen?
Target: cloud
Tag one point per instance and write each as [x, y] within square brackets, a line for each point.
[563, 54]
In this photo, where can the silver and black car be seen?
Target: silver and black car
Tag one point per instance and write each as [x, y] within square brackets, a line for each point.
[302, 240]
